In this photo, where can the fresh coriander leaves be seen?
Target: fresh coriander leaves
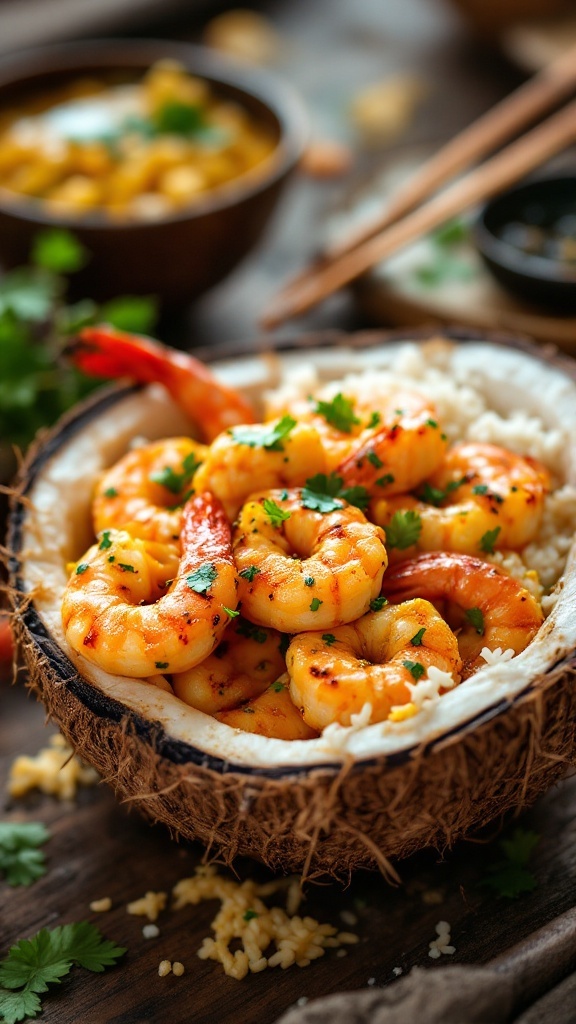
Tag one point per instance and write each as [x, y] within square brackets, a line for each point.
[21, 862]
[510, 876]
[339, 413]
[275, 514]
[321, 494]
[266, 435]
[202, 578]
[403, 530]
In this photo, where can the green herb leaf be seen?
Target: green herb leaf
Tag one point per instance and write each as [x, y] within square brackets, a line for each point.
[265, 435]
[249, 573]
[509, 877]
[476, 618]
[277, 686]
[81, 568]
[315, 604]
[110, 492]
[357, 496]
[374, 460]
[339, 412]
[126, 567]
[230, 612]
[161, 665]
[383, 481]
[329, 639]
[488, 540]
[105, 543]
[403, 530]
[416, 640]
[60, 251]
[21, 862]
[309, 581]
[173, 481]
[248, 629]
[275, 514]
[374, 421]
[133, 313]
[177, 118]
[453, 232]
[16, 1006]
[415, 669]
[202, 578]
[321, 494]
[378, 603]
[250, 915]
[480, 489]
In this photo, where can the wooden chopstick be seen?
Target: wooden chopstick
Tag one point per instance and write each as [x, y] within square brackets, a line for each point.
[501, 171]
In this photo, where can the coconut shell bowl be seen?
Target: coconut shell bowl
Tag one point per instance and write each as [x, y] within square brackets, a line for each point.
[176, 255]
[358, 797]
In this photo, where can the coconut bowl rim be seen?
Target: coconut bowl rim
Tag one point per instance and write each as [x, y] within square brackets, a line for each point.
[152, 732]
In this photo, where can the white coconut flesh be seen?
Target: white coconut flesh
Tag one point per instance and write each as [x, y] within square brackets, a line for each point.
[57, 529]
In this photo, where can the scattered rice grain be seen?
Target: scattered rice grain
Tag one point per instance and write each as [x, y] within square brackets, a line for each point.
[101, 906]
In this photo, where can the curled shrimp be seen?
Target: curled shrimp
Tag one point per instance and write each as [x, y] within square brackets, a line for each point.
[144, 491]
[486, 606]
[280, 454]
[272, 714]
[137, 607]
[303, 569]
[247, 659]
[482, 497]
[210, 404]
[372, 661]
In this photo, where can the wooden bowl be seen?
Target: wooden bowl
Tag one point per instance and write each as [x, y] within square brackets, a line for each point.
[182, 255]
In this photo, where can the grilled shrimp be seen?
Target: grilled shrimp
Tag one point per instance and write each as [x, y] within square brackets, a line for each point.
[372, 661]
[247, 659]
[272, 714]
[144, 492]
[266, 455]
[137, 607]
[482, 497]
[210, 404]
[303, 569]
[488, 607]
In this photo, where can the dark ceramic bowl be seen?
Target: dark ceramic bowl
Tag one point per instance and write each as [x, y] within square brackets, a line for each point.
[184, 254]
[540, 279]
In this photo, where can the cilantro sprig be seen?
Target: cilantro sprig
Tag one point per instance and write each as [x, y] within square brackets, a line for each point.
[321, 493]
[275, 514]
[488, 540]
[265, 435]
[339, 413]
[403, 530]
[202, 578]
[509, 876]
[172, 480]
[21, 860]
[34, 964]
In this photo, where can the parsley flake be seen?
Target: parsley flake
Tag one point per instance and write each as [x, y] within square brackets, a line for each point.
[126, 567]
[161, 664]
[278, 686]
[265, 435]
[275, 514]
[374, 421]
[173, 481]
[230, 612]
[105, 543]
[250, 915]
[436, 495]
[378, 603]
[480, 489]
[416, 640]
[415, 669]
[403, 530]
[329, 639]
[510, 876]
[249, 573]
[488, 540]
[339, 413]
[82, 567]
[476, 619]
[309, 581]
[321, 493]
[374, 460]
[248, 629]
[110, 492]
[383, 481]
[315, 604]
[202, 578]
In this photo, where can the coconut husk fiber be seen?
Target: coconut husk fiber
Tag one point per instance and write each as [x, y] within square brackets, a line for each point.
[530, 984]
[325, 821]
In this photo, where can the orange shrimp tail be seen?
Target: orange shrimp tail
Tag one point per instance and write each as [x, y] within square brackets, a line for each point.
[432, 575]
[210, 404]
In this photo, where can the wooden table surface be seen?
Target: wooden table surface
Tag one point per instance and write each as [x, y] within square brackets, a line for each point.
[97, 848]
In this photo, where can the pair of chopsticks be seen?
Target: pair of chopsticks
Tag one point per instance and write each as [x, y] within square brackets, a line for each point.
[412, 213]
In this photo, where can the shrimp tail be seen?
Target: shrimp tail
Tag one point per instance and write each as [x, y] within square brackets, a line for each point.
[103, 351]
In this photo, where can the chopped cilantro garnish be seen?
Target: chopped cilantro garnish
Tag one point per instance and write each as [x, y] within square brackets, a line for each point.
[126, 567]
[111, 558]
[510, 876]
[248, 629]
[82, 568]
[321, 494]
[278, 686]
[383, 481]
[230, 612]
[329, 639]
[249, 573]
[488, 540]
[202, 578]
[177, 118]
[374, 460]
[105, 543]
[59, 251]
[161, 664]
[415, 669]
[431, 423]
[249, 915]
[173, 481]
[436, 495]
[374, 421]
[275, 514]
[339, 412]
[480, 489]
[416, 640]
[315, 604]
[110, 492]
[308, 581]
[476, 619]
[21, 862]
[403, 530]
[378, 603]
[265, 435]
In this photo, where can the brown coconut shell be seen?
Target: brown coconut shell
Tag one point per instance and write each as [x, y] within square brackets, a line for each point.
[322, 819]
